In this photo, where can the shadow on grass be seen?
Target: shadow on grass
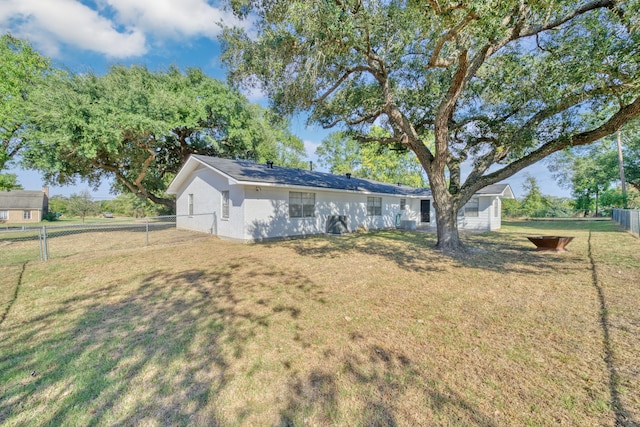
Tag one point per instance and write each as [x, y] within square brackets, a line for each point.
[157, 353]
[415, 251]
[623, 417]
[383, 377]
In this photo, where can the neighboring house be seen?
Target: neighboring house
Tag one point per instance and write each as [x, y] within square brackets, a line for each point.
[245, 201]
[23, 205]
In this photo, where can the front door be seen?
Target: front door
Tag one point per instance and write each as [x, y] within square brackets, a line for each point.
[425, 210]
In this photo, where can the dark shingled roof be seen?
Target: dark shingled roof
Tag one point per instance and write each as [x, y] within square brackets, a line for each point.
[21, 199]
[242, 170]
[493, 189]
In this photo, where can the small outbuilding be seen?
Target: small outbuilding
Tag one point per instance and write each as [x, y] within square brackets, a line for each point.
[23, 205]
[245, 201]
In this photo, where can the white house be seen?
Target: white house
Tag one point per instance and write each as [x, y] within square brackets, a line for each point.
[245, 201]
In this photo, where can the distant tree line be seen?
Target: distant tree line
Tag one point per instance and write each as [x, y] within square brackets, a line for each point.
[82, 205]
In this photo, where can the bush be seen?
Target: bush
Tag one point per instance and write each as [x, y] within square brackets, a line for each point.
[51, 216]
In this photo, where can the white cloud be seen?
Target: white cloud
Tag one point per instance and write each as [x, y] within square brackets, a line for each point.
[172, 18]
[114, 28]
[310, 147]
[254, 94]
[51, 23]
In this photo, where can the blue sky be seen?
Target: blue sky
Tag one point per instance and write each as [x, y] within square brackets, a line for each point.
[84, 35]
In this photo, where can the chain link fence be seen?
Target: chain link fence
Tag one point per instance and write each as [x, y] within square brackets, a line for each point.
[628, 218]
[25, 243]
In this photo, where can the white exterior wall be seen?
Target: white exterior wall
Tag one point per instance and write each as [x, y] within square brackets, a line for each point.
[267, 213]
[206, 187]
[485, 219]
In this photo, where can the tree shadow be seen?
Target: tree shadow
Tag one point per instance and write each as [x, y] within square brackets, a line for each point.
[171, 341]
[414, 251]
[384, 376]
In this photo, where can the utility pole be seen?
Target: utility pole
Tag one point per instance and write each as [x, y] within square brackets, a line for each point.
[621, 166]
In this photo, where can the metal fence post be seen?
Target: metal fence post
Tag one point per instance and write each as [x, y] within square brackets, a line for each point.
[45, 245]
[40, 244]
[147, 225]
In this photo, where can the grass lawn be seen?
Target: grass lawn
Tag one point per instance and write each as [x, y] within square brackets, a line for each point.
[370, 329]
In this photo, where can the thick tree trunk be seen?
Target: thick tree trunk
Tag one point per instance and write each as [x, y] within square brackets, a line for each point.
[446, 219]
[447, 230]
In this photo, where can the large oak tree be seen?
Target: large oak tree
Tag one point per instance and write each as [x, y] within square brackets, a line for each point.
[499, 85]
[138, 127]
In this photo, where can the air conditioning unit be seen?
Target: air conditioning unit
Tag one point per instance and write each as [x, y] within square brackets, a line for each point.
[337, 224]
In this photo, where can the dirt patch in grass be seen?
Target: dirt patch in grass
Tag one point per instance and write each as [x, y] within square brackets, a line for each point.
[364, 329]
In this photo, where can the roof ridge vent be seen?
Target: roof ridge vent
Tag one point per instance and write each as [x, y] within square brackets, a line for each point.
[348, 175]
[270, 164]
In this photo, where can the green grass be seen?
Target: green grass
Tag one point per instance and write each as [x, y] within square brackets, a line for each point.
[364, 329]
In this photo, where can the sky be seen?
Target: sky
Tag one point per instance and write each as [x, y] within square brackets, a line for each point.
[84, 35]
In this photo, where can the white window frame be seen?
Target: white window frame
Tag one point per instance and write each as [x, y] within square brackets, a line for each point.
[403, 204]
[225, 204]
[472, 208]
[374, 206]
[190, 204]
[302, 204]
[26, 214]
[4, 215]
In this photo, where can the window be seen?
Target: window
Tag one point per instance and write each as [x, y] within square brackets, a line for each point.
[374, 206]
[190, 205]
[26, 214]
[302, 205]
[4, 215]
[225, 204]
[403, 204]
[471, 208]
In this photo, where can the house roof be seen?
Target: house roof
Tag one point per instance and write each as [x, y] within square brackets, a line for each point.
[246, 172]
[21, 199]
[501, 190]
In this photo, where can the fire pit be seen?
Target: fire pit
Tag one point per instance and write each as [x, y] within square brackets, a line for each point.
[550, 243]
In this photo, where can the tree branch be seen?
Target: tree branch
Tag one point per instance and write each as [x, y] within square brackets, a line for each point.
[341, 80]
[366, 118]
[435, 60]
[587, 7]
[614, 123]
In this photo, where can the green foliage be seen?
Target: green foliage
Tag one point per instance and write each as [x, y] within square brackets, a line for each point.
[534, 204]
[21, 69]
[58, 204]
[129, 205]
[495, 85]
[9, 181]
[50, 216]
[138, 128]
[591, 171]
[375, 161]
[82, 205]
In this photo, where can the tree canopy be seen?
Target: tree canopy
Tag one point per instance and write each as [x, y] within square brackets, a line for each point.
[499, 86]
[379, 162]
[21, 69]
[139, 127]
